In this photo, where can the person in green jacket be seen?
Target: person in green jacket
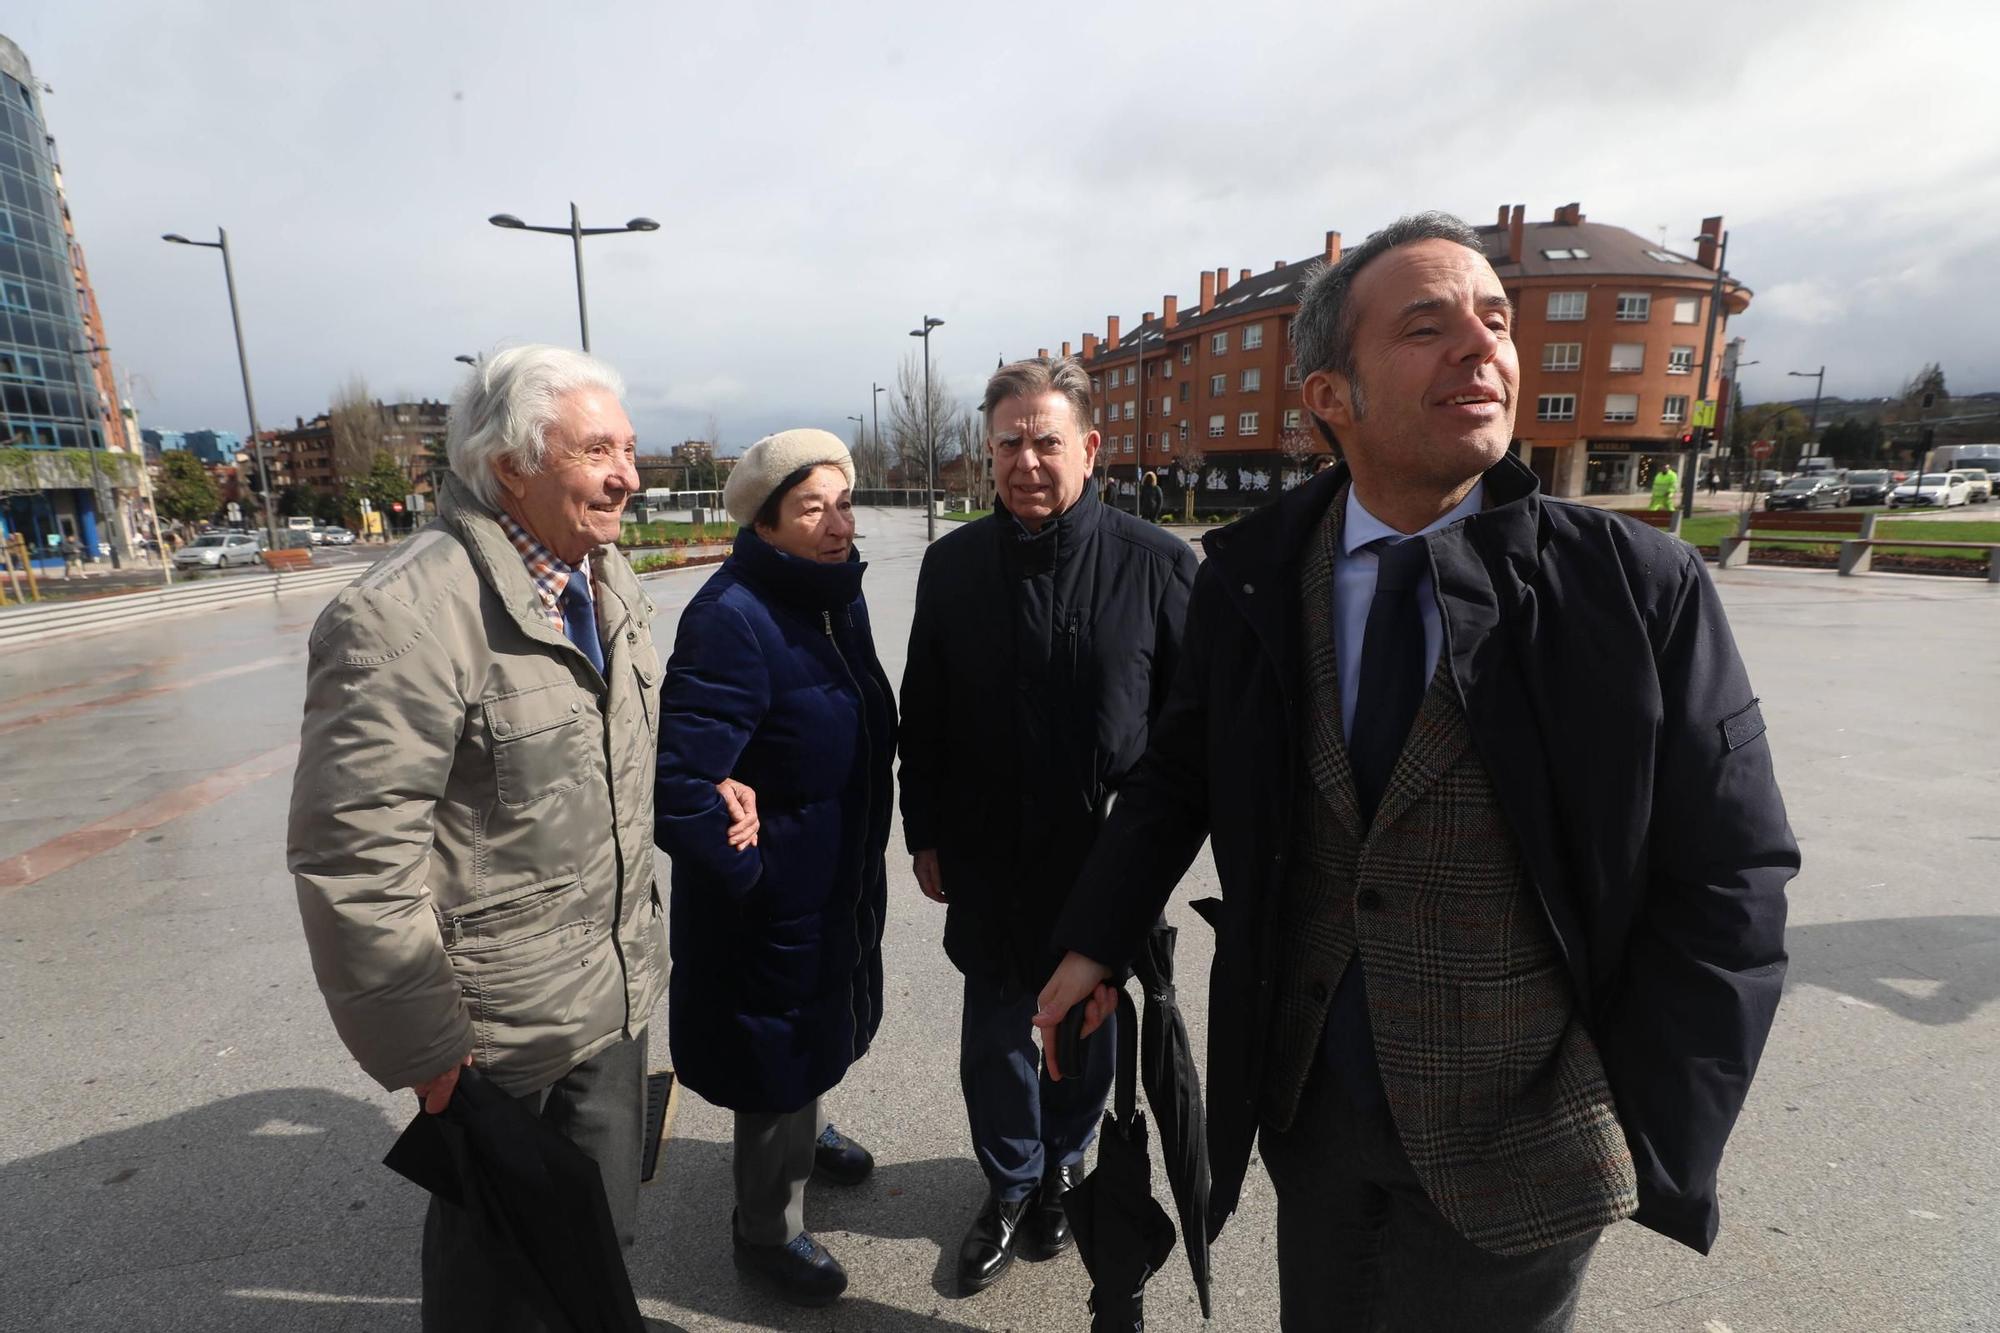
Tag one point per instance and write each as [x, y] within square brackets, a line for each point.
[1665, 482]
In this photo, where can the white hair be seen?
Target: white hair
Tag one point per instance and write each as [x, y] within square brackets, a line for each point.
[506, 406]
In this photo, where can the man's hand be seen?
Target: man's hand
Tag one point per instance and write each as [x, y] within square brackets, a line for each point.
[435, 1093]
[928, 878]
[1077, 979]
[741, 802]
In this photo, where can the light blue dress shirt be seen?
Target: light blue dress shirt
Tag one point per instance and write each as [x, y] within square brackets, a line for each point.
[1354, 589]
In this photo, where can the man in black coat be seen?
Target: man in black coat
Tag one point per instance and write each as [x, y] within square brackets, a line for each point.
[1501, 851]
[1042, 643]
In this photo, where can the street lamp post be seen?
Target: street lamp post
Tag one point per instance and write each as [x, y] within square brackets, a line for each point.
[576, 231]
[875, 411]
[106, 513]
[930, 437]
[860, 429]
[1818, 377]
[1707, 363]
[242, 364]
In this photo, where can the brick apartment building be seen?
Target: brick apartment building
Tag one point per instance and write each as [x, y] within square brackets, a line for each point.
[1610, 332]
[414, 433]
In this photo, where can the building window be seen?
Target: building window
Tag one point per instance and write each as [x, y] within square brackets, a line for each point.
[1187, 353]
[1096, 416]
[1246, 423]
[1635, 307]
[1218, 385]
[1184, 429]
[1219, 344]
[1128, 444]
[1292, 418]
[1095, 387]
[1168, 372]
[1675, 410]
[1187, 391]
[1572, 253]
[1680, 361]
[1131, 409]
[1167, 406]
[1665, 257]
[1114, 412]
[1566, 306]
[1628, 356]
[1131, 374]
[1215, 427]
[1621, 407]
[13, 294]
[1687, 310]
[1291, 376]
[1253, 337]
[1562, 356]
[1556, 407]
[1253, 380]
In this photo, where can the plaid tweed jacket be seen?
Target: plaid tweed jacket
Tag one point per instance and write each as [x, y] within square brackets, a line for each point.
[1496, 1090]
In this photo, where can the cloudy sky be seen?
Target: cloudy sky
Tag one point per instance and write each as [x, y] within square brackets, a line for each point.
[826, 175]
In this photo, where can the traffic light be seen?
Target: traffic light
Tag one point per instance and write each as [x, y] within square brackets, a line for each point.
[1687, 437]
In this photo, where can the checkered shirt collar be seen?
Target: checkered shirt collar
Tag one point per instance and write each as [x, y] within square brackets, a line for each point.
[550, 574]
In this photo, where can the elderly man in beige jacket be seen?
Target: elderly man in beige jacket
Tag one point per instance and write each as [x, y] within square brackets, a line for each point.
[472, 818]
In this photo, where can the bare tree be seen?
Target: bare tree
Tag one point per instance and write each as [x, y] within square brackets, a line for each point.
[970, 432]
[356, 419]
[1298, 446]
[907, 421]
[1189, 455]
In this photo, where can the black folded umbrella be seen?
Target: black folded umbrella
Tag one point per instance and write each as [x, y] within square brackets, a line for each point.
[1122, 1233]
[536, 1198]
[1173, 1090]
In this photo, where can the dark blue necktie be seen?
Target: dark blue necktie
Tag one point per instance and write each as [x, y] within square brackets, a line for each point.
[1386, 700]
[580, 618]
[1392, 669]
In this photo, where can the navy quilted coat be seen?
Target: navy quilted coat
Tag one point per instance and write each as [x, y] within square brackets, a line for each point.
[777, 950]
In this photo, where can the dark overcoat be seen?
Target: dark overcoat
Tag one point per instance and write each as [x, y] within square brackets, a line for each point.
[777, 950]
[1608, 702]
[1037, 664]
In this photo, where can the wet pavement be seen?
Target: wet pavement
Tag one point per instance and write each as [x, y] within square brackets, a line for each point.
[185, 1145]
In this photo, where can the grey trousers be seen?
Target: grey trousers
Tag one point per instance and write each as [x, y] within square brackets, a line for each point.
[774, 1159]
[600, 1106]
[1361, 1246]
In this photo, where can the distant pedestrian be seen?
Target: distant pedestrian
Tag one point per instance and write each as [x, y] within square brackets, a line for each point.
[472, 815]
[777, 948]
[1152, 500]
[72, 555]
[1666, 484]
[1714, 481]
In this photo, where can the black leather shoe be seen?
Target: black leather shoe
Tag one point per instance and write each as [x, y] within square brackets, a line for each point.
[800, 1271]
[839, 1160]
[989, 1247]
[1047, 1223]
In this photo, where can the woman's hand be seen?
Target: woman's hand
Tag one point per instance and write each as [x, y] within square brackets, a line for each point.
[741, 802]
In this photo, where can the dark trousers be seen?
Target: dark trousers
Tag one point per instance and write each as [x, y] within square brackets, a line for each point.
[772, 1162]
[1022, 1122]
[1361, 1246]
[600, 1106]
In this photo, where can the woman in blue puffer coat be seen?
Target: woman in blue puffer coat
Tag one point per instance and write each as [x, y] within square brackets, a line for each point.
[777, 947]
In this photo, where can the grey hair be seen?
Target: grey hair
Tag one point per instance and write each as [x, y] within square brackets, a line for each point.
[1323, 330]
[1036, 376]
[506, 406]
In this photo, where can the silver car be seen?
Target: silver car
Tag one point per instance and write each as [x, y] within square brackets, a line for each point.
[218, 550]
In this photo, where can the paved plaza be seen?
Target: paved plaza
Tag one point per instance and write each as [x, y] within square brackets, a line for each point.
[184, 1145]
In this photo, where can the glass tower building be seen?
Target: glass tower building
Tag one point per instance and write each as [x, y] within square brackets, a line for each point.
[50, 406]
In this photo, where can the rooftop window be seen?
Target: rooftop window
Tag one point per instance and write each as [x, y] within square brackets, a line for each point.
[1566, 254]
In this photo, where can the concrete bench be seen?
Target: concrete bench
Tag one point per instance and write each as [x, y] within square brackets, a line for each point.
[292, 557]
[1858, 556]
[1791, 529]
[1667, 519]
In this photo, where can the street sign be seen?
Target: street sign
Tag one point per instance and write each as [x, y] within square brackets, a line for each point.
[1760, 448]
[396, 508]
[1704, 413]
[235, 512]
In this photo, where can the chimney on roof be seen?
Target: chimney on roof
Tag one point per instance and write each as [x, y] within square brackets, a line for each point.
[1207, 291]
[1172, 306]
[1501, 221]
[1111, 333]
[1517, 225]
[1711, 238]
[1332, 247]
[1089, 346]
[1221, 281]
[1570, 214]
[1243, 275]
[1146, 319]
[1065, 349]
[1278, 265]
[1041, 353]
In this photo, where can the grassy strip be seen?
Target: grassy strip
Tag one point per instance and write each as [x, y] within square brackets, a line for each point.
[956, 517]
[662, 534]
[1710, 529]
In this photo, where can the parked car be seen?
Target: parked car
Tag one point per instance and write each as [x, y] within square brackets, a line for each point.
[1770, 481]
[1869, 488]
[218, 550]
[1805, 493]
[1978, 484]
[333, 535]
[1944, 489]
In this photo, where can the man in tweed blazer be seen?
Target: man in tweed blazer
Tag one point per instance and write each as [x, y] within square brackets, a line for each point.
[1501, 850]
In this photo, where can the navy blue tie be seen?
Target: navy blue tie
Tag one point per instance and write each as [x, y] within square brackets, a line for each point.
[580, 618]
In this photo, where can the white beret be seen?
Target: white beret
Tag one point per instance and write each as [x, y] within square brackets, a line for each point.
[772, 459]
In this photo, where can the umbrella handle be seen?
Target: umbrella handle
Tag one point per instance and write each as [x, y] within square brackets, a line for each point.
[1126, 1086]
